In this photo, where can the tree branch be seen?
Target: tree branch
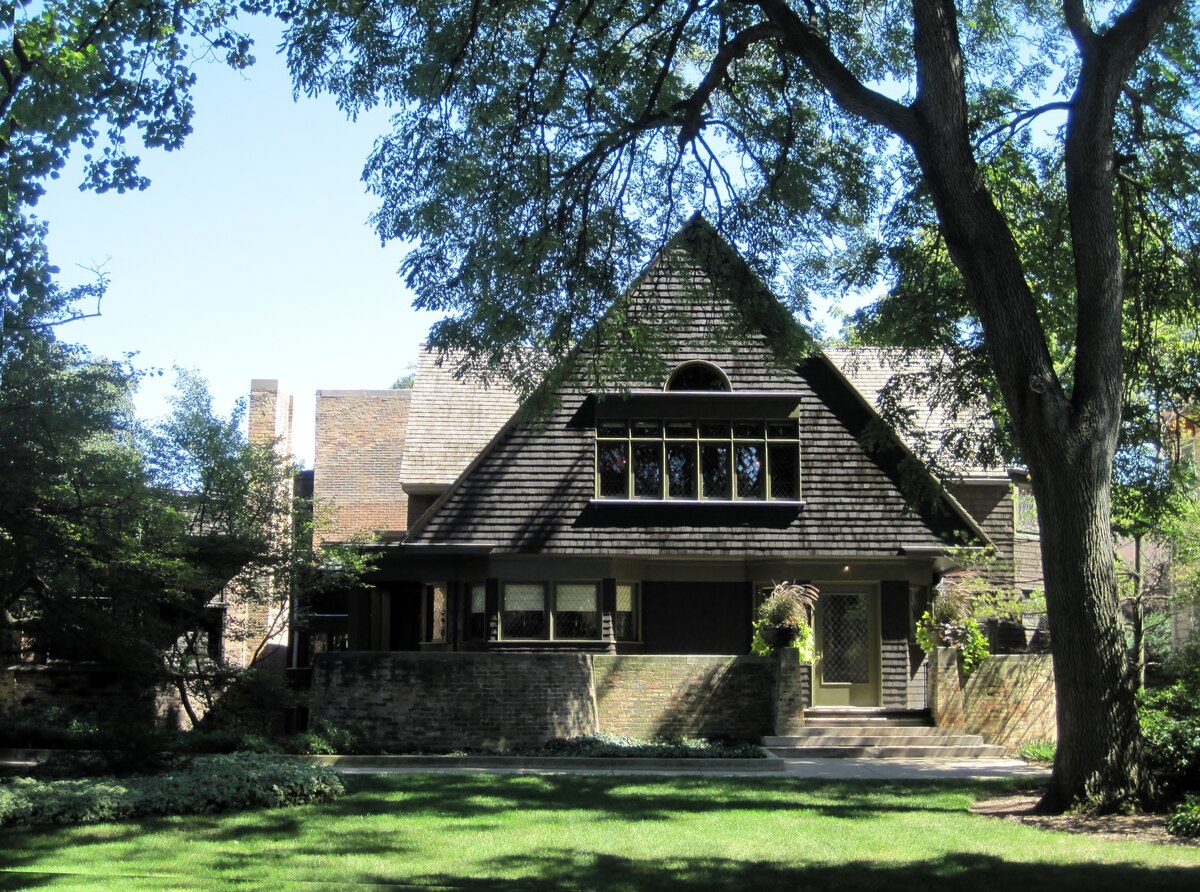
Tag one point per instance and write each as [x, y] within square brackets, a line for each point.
[802, 40]
[1027, 115]
[1078, 25]
[730, 52]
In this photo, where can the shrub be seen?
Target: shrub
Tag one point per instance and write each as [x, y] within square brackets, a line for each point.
[615, 746]
[209, 784]
[1185, 818]
[1170, 724]
[328, 739]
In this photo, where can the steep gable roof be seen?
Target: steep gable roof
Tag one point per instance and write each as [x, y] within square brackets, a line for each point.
[532, 489]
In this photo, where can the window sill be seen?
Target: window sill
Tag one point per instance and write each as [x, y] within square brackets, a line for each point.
[689, 513]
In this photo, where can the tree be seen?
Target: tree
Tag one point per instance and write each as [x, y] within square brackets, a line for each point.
[544, 148]
[91, 73]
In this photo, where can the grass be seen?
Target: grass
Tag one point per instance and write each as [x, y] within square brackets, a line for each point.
[490, 832]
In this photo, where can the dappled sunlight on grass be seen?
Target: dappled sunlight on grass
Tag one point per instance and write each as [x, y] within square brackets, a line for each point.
[563, 831]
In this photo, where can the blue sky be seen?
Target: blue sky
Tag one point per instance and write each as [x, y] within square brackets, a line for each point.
[250, 255]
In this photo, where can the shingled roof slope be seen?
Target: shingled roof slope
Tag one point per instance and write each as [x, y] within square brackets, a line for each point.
[450, 420]
[532, 489]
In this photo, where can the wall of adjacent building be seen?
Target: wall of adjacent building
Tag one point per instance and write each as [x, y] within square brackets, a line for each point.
[360, 439]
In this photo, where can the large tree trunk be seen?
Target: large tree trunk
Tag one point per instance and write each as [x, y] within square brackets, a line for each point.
[1099, 761]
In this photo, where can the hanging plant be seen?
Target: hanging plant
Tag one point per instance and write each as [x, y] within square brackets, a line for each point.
[783, 620]
[947, 623]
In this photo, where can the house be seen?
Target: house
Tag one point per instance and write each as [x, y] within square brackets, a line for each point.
[646, 517]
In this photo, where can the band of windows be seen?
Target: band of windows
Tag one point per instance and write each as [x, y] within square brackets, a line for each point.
[564, 611]
[716, 460]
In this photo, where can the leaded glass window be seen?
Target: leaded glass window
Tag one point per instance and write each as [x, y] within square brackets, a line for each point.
[625, 617]
[576, 610]
[477, 611]
[744, 460]
[435, 612]
[524, 610]
[714, 468]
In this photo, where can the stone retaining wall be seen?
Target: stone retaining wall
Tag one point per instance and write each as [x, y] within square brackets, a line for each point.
[1009, 699]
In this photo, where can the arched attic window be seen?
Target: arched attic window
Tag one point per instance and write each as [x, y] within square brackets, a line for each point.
[698, 375]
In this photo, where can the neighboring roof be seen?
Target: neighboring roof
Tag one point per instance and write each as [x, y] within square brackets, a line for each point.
[931, 415]
[450, 420]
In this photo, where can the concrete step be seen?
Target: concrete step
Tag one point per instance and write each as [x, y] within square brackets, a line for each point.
[977, 751]
[869, 737]
[834, 716]
[810, 732]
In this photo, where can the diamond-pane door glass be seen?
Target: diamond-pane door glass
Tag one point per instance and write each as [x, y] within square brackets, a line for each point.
[846, 659]
[576, 611]
[524, 611]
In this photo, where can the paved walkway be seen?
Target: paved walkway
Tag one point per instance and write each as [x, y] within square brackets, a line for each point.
[823, 769]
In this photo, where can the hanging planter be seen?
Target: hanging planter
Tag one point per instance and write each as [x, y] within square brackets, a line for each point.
[782, 620]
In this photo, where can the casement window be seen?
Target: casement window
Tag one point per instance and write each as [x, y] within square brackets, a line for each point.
[742, 460]
[523, 610]
[476, 629]
[1026, 511]
[433, 610]
[564, 611]
[626, 617]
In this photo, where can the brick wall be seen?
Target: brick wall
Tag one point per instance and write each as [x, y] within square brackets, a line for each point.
[85, 692]
[454, 700]
[1009, 699]
[696, 696]
[359, 448]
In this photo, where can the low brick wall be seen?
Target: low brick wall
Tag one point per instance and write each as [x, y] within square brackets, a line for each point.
[695, 696]
[85, 691]
[458, 700]
[1009, 699]
[455, 700]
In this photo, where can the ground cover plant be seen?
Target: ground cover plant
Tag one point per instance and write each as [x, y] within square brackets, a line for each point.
[577, 832]
[205, 785]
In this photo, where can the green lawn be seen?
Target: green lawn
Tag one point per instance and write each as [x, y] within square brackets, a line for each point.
[487, 832]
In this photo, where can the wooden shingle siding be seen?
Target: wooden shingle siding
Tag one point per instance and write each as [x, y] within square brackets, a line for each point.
[532, 491]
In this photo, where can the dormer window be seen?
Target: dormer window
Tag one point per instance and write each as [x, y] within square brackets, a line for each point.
[698, 460]
[698, 375]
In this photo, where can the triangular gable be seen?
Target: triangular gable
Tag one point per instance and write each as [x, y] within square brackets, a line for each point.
[532, 489]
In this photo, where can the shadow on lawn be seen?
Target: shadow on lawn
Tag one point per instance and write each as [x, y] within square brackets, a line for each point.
[980, 873]
[635, 798]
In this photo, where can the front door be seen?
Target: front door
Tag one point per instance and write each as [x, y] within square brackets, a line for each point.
[846, 671]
